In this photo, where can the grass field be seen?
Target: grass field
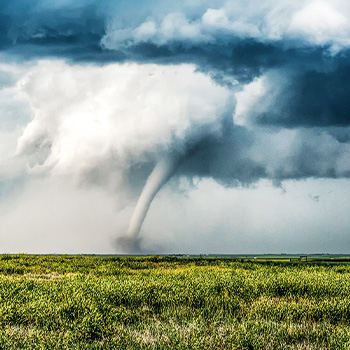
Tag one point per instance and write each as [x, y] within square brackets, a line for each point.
[87, 302]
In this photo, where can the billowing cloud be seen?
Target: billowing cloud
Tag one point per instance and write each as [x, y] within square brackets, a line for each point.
[111, 124]
[90, 119]
[309, 22]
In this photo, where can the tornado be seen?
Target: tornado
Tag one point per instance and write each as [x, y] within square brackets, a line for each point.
[161, 173]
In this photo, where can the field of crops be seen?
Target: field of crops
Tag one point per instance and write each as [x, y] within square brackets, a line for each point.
[66, 302]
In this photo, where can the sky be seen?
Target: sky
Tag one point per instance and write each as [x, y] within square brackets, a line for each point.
[217, 126]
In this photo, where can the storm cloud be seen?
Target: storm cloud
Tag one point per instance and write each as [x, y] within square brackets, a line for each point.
[101, 92]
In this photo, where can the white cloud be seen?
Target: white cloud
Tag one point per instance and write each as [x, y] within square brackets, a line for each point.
[323, 22]
[247, 99]
[173, 27]
[145, 31]
[176, 26]
[88, 118]
[317, 22]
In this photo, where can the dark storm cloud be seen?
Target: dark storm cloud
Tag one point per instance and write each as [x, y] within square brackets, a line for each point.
[34, 29]
[29, 29]
[242, 157]
[306, 81]
[311, 96]
[223, 158]
[241, 59]
[76, 30]
[82, 30]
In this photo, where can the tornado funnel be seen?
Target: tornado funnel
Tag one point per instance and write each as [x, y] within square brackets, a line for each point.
[161, 173]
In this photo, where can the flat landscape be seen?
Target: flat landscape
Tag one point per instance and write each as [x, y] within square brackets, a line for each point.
[152, 302]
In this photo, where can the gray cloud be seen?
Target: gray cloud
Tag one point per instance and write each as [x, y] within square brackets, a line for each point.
[315, 96]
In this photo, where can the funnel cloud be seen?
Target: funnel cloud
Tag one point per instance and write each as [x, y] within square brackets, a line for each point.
[160, 174]
[158, 177]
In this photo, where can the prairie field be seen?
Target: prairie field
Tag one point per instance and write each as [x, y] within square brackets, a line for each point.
[94, 302]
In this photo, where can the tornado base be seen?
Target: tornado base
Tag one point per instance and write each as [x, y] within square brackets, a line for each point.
[129, 244]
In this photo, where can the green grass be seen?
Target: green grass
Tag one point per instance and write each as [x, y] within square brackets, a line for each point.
[76, 302]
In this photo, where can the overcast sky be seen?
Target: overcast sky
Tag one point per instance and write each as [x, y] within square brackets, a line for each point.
[252, 99]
